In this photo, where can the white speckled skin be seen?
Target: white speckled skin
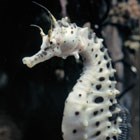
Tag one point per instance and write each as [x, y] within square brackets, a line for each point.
[91, 109]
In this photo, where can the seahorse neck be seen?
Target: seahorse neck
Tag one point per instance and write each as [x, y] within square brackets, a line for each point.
[97, 68]
[95, 53]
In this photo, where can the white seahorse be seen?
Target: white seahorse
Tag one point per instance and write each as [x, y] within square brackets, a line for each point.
[91, 109]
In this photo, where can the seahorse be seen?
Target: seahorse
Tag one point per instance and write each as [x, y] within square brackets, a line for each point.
[91, 110]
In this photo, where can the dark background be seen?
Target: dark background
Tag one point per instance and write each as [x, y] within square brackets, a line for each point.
[32, 100]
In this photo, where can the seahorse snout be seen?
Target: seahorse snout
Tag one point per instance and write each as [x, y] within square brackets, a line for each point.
[27, 61]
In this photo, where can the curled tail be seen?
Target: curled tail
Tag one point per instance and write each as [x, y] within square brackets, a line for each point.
[125, 125]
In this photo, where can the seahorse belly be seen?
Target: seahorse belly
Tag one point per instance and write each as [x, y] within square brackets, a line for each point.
[86, 114]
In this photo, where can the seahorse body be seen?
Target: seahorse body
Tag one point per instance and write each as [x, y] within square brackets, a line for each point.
[91, 109]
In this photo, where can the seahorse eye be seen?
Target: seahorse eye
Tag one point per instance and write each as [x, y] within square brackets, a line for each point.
[51, 42]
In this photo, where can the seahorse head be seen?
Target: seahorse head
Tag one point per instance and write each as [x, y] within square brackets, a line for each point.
[63, 37]
[62, 40]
